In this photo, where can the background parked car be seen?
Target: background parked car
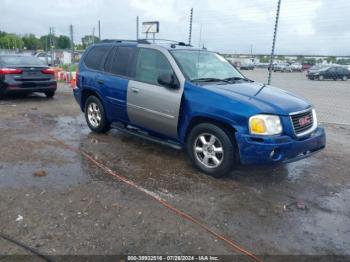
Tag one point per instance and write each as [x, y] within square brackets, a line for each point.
[306, 67]
[247, 66]
[283, 67]
[45, 57]
[296, 67]
[332, 72]
[25, 74]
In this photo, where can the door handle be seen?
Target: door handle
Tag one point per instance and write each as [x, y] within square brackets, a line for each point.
[99, 81]
[135, 90]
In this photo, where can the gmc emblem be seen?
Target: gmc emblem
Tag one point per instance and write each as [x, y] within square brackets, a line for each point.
[305, 120]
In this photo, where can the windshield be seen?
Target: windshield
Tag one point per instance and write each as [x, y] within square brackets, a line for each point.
[204, 65]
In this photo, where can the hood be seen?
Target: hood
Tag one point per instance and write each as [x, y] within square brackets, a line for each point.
[267, 99]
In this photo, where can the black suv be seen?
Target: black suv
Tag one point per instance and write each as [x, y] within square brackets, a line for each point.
[333, 72]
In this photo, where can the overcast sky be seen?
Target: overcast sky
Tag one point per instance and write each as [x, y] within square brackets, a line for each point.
[234, 26]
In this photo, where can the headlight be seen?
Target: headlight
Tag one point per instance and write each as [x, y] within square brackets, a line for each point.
[265, 125]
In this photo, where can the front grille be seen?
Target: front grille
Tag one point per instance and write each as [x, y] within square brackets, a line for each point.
[302, 122]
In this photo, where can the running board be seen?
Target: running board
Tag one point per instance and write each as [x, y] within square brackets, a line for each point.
[135, 132]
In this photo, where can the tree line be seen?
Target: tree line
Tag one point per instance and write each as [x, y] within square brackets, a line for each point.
[307, 60]
[31, 42]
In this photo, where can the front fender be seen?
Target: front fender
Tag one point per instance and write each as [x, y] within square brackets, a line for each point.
[198, 103]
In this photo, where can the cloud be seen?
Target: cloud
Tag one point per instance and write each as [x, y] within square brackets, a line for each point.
[306, 26]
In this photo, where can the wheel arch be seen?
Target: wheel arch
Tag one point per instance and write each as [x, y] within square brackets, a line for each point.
[87, 93]
[228, 127]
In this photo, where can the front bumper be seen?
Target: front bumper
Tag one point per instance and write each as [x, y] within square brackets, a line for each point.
[276, 149]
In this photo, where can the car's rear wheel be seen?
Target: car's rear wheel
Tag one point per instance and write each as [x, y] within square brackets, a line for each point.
[211, 149]
[344, 78]
[95, 115]
[50, 94]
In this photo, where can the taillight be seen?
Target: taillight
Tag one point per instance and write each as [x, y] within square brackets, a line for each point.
[48, 71]
[10, 71]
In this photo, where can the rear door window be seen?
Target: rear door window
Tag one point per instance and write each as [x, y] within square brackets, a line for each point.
[95, 58]
[109, 59]
[150, 65]
[123, 61]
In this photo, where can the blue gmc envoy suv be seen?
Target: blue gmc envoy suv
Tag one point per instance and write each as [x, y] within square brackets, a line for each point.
[173, 94]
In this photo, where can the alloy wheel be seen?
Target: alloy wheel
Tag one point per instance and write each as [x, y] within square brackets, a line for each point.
[94, 114]
[208, 150]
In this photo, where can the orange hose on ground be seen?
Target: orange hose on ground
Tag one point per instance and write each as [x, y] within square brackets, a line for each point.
[177, 211]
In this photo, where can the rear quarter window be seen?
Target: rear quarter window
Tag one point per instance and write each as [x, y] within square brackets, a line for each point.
[96, 56]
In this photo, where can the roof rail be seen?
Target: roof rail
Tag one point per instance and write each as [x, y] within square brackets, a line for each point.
[140, 41]
[150, 41]
[145, 41]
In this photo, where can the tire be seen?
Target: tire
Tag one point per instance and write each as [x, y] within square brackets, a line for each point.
[202, 153]
[95, 115]
[50, 94]
[344, 78]
[321, 78]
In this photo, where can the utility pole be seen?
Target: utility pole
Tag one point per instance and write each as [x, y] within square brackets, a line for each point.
[274, 41]
[51, 43]
[190, 32]
[93, 35]
[99, 30]
[137, 27]
[71, 43]
[200, 37]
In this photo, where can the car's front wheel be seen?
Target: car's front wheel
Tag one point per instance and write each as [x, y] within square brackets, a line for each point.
[211, 149]
[321, 78]
[344, 78]
[95, 115]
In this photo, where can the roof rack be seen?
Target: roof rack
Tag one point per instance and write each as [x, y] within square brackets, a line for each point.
[173, 42]
[145, 41]
[140, 41]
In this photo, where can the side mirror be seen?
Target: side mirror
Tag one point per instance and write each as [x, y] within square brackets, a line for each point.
[168, 80]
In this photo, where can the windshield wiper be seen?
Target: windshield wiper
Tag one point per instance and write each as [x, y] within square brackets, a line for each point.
[210, 79]
[235, 78]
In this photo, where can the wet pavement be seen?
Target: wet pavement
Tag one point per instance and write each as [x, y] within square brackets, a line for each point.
[77, 208]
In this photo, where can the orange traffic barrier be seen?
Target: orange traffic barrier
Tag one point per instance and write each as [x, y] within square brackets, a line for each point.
[73, 82]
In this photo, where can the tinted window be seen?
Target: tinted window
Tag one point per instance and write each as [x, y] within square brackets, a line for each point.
[95, 57]
[21, 60]
[109, 59]
[123, 60]
[151, 64]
